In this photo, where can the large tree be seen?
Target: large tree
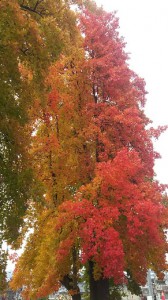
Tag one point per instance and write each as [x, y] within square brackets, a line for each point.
[33, 34]
[93, 154]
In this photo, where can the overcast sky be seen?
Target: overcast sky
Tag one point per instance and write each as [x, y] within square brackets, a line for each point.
[144, 25]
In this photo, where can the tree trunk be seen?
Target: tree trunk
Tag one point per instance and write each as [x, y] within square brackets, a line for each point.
[67, 282]
[76, 297]
[99, 289]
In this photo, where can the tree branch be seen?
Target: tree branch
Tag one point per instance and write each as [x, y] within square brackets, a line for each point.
[37, 3]
[25, 7]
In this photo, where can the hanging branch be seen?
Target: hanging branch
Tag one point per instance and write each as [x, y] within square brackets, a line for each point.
[34, 9]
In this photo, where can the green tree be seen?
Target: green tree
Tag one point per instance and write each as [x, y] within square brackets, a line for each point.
[3, 274]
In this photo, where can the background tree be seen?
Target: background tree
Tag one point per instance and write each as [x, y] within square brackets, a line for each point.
[3, 274]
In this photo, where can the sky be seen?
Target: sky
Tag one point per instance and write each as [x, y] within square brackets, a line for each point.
[144, 26]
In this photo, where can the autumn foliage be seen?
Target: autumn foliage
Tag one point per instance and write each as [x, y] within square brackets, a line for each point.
[93, 154]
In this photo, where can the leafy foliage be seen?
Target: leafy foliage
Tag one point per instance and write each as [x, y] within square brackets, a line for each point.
[28, 29]
[3, 275]
[93, 154]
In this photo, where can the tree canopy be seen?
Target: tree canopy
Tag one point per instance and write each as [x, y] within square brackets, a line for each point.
[77, 151]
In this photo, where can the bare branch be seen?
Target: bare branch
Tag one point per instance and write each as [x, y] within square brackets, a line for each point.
[37, 3]
[24, 51]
